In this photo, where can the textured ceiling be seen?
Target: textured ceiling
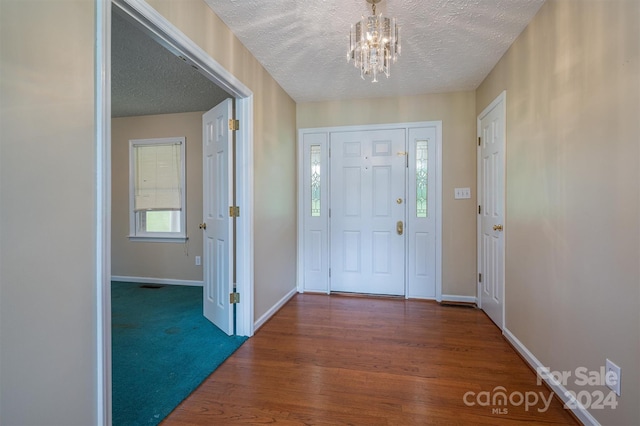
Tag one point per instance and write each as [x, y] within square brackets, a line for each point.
[447, 45]
[148, 79]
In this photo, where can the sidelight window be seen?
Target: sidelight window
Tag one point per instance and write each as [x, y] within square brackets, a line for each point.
[422, 184]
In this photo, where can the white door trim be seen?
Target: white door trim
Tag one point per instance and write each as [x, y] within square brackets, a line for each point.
[438, 235]
[174, 40]
[500, 99]
[103, 211]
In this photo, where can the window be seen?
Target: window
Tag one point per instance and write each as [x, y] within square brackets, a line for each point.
[315, 180]
[157, 189]
[422, 175]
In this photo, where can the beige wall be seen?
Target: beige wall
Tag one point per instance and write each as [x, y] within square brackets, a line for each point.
[572, 222]
[274, 149]
[145, 259]
[572, 227]
[48, 363]
[48, 308]
[457, 113]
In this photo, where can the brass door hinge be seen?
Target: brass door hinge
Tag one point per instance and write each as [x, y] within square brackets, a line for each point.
[234, 124]
[234, 298]
[479, 210]
[234, 211]
[479, 140]
[479, 277]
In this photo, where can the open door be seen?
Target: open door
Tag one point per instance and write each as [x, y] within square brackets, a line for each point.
[217, 172]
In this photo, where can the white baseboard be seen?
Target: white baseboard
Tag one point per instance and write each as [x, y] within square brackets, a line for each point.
[149, 280]
[580, 412]
[265, 317]
[454, 298]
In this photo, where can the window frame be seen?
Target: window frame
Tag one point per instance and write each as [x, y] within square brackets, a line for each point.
[136, 234]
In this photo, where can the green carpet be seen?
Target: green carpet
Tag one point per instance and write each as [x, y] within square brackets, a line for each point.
[162, 349]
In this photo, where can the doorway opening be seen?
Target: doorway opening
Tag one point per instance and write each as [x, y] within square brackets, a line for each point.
[176, 42]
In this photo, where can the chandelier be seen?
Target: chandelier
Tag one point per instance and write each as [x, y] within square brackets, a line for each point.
[374, 43]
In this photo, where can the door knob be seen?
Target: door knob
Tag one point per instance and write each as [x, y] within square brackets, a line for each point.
[497, 227]
[400, 227]
[203, 226]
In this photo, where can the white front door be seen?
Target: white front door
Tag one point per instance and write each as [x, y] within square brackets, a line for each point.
[491, 131]
[368, 171]
[218, 226]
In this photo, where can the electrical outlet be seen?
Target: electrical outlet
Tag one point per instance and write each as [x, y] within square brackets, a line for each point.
[612, 377]
[198, 260]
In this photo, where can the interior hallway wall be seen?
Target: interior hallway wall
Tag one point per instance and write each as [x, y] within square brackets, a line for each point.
[48, 359]
[573, 215]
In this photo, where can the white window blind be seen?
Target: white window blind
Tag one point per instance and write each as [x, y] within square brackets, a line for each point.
[157, 201]
[157, 177]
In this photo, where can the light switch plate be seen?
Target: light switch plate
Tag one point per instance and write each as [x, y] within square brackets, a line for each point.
[462, 193]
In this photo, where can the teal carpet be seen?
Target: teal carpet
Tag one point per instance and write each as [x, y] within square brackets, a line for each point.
[162, 349]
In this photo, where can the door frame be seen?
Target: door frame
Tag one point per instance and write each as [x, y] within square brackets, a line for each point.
[160, 29]
[501, 99]
[437, 125]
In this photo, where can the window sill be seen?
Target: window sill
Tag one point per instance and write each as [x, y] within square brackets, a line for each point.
[163, 239]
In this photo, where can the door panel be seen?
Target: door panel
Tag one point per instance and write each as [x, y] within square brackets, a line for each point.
[491, 223]
[314, 212]
[218, 226]
[367, 177]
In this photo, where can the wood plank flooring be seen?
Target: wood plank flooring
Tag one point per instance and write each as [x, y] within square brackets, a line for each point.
[331, 360]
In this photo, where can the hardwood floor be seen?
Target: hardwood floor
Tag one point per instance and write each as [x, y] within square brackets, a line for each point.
[371, 361]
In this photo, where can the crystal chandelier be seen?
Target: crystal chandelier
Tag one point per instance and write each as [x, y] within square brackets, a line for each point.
[374, 43]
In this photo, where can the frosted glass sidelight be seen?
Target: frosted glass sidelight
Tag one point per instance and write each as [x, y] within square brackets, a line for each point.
[315, 180]
[422, 156]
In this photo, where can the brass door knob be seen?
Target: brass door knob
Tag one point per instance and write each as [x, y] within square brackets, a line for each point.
[400, 227]
[497, 227]
[203, 226]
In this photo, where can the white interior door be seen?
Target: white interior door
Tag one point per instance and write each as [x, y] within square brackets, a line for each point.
[218, 226]
[491, 129]
[368, 171]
